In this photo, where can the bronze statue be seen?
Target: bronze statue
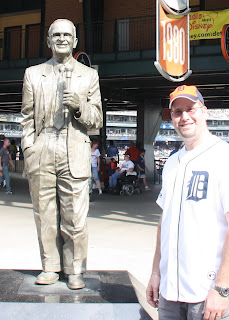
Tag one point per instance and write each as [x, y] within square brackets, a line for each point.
[61, 101]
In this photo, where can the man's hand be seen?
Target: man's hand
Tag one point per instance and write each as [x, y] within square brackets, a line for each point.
[215, 306]
[71, 99]
[152, 291]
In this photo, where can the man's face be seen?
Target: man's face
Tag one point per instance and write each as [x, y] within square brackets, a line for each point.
[127, 158]
[189, 118]
[7, 143]
[61, 39]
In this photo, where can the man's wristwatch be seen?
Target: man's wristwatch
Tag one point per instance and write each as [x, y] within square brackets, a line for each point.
[224, 292]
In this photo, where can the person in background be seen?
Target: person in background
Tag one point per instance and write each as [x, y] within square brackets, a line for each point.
[141, 168]
[2, 138]
[13, 149]
[112, 167]
[3, 183]
[95, 164]
[5, 161]
[177, 147]
[134, 152]
[112, 150]
[190, 278]
[126, 166]
[21, 156]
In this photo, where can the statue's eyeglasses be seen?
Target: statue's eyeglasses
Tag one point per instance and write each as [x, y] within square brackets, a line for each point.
[65, 35]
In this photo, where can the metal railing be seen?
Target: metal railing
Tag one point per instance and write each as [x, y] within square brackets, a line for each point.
[111, 36]
[101, 37]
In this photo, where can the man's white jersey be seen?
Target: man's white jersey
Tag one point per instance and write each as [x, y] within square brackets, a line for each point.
[194, 199]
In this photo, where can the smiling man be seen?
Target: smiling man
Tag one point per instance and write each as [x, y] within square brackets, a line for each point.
[61, 101]
[190, 278]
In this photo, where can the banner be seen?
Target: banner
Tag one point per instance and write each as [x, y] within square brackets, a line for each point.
[173, 44]
[172, 58]
[207, 24]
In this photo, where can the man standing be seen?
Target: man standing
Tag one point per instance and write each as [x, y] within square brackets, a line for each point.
[5, 160]
[191, 260]
[141, 166]
[134, 152]
[3, 183]
[113, 150]
[61, 101]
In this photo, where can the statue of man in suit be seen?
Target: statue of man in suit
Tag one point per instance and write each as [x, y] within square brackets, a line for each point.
[61, 101]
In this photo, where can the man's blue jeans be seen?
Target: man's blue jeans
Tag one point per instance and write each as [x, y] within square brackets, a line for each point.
[6, 176]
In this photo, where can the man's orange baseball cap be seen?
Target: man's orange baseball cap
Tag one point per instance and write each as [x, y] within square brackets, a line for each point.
[188, 92]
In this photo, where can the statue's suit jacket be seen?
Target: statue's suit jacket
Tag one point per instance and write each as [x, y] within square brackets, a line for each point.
[37, 97]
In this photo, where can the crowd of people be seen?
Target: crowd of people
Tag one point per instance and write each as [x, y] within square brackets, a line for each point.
[117, 167]
[115, 164]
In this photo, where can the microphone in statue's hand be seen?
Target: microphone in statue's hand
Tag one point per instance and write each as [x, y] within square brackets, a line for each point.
[68, 70]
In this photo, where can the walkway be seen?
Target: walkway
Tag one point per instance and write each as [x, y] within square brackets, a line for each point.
[122, 231]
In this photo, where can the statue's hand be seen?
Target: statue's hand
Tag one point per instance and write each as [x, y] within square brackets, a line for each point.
[71, 99]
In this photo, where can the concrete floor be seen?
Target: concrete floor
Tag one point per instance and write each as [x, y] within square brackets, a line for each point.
[122, 231]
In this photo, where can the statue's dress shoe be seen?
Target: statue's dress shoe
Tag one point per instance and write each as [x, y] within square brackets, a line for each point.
[75, 281]
[47, 278]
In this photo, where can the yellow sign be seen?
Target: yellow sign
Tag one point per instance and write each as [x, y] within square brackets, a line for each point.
[207, 24]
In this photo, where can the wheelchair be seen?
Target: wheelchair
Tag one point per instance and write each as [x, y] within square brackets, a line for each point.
[128, 184]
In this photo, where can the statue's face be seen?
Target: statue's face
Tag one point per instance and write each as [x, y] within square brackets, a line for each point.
[61, 39]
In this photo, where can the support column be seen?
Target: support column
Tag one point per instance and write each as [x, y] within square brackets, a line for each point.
[103, 134]
[152, 122]
[140, 126]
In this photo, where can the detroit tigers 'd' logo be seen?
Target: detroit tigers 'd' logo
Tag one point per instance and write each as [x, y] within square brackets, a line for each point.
[198, 186]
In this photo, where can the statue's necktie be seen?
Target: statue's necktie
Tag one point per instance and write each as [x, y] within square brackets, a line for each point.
[58, 117]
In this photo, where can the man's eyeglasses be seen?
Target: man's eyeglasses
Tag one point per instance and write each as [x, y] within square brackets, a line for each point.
[190, 111]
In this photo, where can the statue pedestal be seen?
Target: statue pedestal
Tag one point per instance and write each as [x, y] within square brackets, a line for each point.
[108, 295]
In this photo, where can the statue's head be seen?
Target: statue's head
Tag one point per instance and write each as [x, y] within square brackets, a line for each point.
[62, 37]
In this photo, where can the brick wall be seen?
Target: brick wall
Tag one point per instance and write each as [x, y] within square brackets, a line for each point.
[67, 9]
[113, 9]
[140, 32]
[59, 9]
[116, 9]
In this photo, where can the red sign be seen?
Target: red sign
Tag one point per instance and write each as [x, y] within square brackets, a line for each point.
[225, 41]
[83, 58]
